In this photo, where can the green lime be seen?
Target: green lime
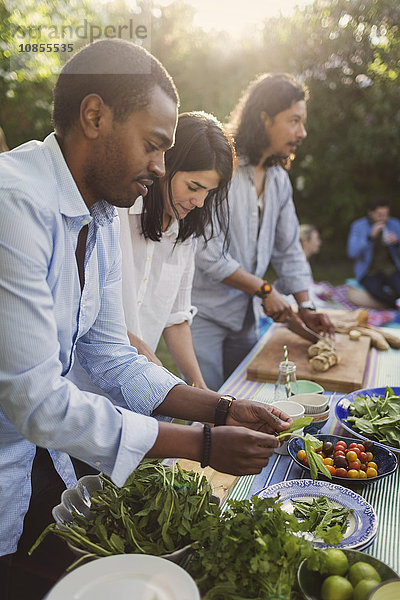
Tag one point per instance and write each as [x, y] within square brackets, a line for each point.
[335, 562]
[362, 570]
[335, 587]
[364, 588]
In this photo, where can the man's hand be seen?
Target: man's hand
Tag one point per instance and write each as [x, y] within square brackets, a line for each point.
[276, 307]
[257, 416]
[318, 322]
[376, 229]
[240, 451]
[390, 238]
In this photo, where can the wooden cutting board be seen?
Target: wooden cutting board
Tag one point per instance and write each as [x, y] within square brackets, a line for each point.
[345, 377]
[222, 483]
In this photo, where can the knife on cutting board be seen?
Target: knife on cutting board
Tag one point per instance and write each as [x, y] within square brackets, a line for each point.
[306, 333]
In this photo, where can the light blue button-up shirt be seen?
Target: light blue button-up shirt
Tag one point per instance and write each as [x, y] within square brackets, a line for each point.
[253, 246]
[44, 318]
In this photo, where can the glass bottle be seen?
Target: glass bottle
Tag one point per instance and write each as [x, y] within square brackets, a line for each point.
[286, 384]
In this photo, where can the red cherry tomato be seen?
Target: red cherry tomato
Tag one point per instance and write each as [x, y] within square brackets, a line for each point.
[340, 453]
[361, 447]
[363, 467]
[355, 465]
[341, 444]
[341, 473]
[363, 457]
[352, 445]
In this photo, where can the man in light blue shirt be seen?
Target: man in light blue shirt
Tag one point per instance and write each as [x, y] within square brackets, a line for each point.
[60, 294]
[268, 123]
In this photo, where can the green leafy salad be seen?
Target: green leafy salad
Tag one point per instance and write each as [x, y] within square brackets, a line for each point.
[377, 417]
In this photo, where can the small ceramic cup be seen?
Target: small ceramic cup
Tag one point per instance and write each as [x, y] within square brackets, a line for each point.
[306, 386]
[313, 403]
[293, 410]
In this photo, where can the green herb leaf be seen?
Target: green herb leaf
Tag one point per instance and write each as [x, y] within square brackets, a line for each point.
[297, 424]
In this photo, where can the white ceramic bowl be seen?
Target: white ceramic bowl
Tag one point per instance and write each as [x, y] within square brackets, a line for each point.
[313, 403]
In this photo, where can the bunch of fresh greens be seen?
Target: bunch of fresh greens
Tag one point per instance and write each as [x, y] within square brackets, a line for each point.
[250, 552]
[152, 513]
[377, 417]
[323, 517]
[311, 445]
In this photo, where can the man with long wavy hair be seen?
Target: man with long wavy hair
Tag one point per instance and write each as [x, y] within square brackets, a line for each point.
[268, 124]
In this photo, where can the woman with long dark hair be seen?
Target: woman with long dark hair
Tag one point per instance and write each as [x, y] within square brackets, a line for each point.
[158, 239]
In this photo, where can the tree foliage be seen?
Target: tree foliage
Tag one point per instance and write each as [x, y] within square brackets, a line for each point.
[346, 51]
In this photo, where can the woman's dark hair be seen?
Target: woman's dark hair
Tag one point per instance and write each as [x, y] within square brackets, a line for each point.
[270, 93]
[201, 144]
[120, 72]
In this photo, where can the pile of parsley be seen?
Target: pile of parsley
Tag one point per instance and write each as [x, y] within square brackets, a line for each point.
[377, 417]
[250, 552]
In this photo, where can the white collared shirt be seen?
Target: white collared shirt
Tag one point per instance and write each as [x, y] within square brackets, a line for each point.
[156, 277]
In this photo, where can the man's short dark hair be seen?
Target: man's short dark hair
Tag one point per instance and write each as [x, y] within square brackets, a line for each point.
[269, 93]
[378, 202]
[120, 72]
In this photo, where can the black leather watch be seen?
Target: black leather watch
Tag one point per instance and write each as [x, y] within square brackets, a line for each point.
[222, 409]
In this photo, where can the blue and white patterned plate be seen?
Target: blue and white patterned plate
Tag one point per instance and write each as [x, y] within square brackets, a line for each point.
[342, 411]
[362, 524]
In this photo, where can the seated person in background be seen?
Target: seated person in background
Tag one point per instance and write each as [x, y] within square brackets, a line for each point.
[311, 243]
[310, 240]
[374, 246]
[163, 228]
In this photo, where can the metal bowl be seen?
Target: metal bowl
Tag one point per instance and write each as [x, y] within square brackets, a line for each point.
[77, 500]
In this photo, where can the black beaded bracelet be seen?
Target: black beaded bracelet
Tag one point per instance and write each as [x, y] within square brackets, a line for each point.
[205, 459]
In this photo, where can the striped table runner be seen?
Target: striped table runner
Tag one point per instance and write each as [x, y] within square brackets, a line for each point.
[383, 368]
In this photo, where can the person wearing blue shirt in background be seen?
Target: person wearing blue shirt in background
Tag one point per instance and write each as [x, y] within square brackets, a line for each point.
[374, 245]
[115, 113]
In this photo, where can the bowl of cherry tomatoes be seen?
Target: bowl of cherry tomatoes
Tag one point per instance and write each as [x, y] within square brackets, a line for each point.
[350, 461]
